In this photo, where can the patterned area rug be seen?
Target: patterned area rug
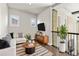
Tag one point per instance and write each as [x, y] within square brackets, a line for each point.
[39, 51]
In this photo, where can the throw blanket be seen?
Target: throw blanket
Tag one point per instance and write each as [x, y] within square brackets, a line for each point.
[39, 51]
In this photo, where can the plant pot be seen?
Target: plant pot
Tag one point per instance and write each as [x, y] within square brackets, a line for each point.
[29, 41]
[30, 50]
[62, 47]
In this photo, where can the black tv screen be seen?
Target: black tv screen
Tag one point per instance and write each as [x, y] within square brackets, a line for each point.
[41, 27]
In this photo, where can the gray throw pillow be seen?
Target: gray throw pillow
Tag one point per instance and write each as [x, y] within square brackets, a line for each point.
[7, 38]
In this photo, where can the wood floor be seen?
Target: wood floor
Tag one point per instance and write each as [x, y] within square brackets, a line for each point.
[55, 51]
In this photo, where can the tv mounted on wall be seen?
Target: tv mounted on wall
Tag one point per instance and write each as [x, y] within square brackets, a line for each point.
[41, 27]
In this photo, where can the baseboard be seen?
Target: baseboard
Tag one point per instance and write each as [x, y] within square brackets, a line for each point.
[55, 46]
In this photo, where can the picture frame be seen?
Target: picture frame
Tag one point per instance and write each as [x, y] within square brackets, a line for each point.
[14, 21]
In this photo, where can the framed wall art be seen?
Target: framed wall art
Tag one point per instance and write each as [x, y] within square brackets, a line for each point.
[14, 21]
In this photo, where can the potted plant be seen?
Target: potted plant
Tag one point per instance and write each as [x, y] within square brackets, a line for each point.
[28, 38]
[29, 46]
[62, 34]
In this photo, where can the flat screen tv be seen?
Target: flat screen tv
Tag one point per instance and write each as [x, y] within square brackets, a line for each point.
[41, 27]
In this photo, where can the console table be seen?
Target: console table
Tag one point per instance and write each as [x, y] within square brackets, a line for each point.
[41, 39]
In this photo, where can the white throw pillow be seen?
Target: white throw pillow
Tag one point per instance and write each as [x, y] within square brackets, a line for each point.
[13, 42]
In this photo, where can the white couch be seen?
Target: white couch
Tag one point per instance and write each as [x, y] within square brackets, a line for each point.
[10, 51]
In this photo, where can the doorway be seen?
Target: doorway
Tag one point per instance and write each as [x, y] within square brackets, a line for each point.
[78, 37]
[54, 27]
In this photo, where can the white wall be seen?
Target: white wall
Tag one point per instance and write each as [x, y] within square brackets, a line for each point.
[25, 26]
[69, 19]
[45, 17]
[3, 19]
[63, 13]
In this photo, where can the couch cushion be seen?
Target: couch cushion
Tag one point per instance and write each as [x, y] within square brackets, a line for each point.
[4, 44]
[13, 42]
[7, 38]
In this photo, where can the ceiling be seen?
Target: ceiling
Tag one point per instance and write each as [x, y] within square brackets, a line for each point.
[34, 8]
[73, 7]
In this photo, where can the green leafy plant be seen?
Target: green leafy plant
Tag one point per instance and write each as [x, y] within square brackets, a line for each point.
[28, 36]
[62, 32]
